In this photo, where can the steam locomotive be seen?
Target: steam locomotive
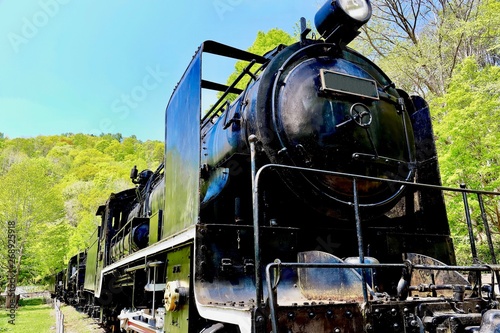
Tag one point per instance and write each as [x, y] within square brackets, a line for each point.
[311, 202]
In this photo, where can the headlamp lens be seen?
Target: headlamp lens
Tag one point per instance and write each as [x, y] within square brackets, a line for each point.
[359, 10]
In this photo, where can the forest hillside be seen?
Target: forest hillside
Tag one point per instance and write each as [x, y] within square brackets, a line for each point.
[51, 188]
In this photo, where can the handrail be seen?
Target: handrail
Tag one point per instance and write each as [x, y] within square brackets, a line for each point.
[256, 175]
[279, 264]
[352, 175]
[212, 112]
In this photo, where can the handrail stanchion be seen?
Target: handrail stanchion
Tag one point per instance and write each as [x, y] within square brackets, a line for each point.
[359, 234]
[255, 198]
[486, 228]
[469, 226]
[488, 236]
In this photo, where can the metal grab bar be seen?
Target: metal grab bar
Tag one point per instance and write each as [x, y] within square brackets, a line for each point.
[256, 174]
[273, 295]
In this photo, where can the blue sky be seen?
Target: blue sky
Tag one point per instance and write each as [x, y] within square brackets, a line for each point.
[88, 66]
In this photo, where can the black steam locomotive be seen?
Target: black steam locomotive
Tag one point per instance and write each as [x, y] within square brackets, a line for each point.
[309, 203]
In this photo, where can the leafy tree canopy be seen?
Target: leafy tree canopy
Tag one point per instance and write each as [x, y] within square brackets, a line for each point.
[468, 140]
[52, 186]
[420, 43]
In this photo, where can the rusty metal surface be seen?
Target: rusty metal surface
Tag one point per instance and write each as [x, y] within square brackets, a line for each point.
[438, 282]
[345, 318]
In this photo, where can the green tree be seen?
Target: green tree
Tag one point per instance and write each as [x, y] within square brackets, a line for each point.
[420, 43]
[28, 199]
[468, 140]
[48, 250]
[52, 187]
[9, 156]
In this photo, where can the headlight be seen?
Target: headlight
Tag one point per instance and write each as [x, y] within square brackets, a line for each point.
[360, 10]
[338, 21]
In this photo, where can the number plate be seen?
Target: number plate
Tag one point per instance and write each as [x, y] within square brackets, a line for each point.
[348, 84]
